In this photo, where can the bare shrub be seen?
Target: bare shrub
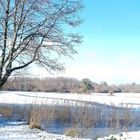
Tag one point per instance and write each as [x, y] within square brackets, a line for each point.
[35, 118]
[112, 138]
[72, 132]
[110, 93]
[6, 111]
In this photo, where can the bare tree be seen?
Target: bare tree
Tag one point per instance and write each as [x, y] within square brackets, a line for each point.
[36, 31]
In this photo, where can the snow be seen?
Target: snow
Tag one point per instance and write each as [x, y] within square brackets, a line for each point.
[130, 99]
[124, 136]
[19, 130]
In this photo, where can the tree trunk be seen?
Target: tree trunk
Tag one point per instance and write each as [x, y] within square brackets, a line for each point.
[4, 79]
[1, 85]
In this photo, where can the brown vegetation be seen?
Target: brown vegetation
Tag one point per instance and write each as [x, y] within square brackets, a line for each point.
[77, 117]
[66, 85]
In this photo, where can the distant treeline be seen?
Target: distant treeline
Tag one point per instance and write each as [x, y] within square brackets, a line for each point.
[66, 85]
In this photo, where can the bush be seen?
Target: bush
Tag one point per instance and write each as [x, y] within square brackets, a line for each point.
[35, 119]
[6, 111]
[72, 132]
[112, 138]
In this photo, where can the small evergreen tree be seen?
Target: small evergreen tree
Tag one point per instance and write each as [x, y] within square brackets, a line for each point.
[87, 85]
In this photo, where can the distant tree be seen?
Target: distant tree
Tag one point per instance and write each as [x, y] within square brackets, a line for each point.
[59, 84]
[104, 88]
[87, 85]
[34, 31]
[114, 89]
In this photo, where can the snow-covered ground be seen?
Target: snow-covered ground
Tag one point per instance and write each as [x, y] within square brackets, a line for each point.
[124, 136]
[131, 99]
[21, 131]
[16, 130]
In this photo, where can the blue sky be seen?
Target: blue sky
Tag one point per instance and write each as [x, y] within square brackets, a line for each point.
[111, 44]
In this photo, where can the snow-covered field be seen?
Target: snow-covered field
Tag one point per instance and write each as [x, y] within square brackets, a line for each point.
[16, 131]
[131, 99]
